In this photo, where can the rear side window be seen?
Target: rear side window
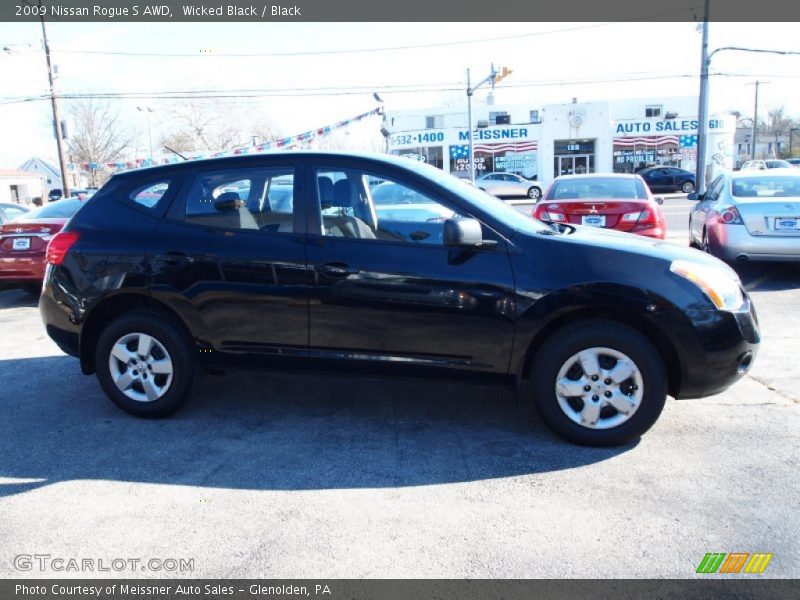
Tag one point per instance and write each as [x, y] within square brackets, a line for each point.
[149, 195]
[257, 199]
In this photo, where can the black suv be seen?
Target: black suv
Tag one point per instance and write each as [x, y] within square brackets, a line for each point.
[286, 259]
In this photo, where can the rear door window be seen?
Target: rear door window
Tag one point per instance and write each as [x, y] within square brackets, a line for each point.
[253, 199]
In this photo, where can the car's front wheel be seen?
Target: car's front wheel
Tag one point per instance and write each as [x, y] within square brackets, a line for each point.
[145, 363]
[534, 193]
[599, 383]
[687, 187]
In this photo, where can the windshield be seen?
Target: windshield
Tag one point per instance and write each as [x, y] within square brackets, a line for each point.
[595, 188]
[771, 186]
[510, 217]
[63, 209]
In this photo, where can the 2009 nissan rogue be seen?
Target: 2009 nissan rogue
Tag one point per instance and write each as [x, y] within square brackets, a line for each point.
[270, 260]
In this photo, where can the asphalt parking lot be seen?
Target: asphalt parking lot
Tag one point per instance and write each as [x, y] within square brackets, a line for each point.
[287, 475]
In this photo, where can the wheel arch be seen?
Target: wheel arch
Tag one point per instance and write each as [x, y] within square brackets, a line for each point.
[654, 334]
[109, 309]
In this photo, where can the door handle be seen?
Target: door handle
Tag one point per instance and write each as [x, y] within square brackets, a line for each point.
[176, 258]
[337, 269]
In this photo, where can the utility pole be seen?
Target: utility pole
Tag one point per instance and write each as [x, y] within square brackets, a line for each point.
[62, 161]
[470, 153]
[494, 77]
[755, 119]
[702, 112]
[147, 110]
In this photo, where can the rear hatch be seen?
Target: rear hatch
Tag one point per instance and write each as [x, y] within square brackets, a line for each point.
[776, 217]
[28, 238]
[602, 213]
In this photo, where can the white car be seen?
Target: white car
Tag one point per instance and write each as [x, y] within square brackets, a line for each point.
[508, 185]
[763, 165]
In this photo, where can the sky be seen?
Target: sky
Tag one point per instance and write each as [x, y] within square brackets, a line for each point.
[551, 63]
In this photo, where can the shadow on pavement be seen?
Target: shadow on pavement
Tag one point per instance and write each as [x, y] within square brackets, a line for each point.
[253, 430]
[15, 298]
[768, 277]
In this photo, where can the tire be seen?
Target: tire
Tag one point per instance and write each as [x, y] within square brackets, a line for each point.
[687, 187]
[167, 391]
[642, 395]
[534, 193]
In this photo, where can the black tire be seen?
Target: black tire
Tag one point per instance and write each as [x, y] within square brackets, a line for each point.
[172, 335]
[687, 187]
[534, 193]
[573, 338]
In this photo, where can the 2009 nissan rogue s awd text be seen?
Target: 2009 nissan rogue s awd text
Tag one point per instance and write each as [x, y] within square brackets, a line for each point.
[384, 264]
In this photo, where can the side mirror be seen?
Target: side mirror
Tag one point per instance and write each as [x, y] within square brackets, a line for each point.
[695, 197]
[659, 200]
[464, 232]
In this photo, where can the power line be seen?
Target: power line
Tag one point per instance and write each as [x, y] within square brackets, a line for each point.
[340, 91]
[689, 9]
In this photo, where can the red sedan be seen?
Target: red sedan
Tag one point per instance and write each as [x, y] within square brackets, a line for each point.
[614, 201]
[23, 242]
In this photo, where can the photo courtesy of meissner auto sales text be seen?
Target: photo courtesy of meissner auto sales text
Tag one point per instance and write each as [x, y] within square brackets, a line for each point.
[362, 300]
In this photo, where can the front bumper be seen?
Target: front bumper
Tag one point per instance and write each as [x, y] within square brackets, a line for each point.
[719, 350]
[734, 242]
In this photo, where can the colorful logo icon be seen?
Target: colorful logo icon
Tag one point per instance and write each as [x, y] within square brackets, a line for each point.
[735, 562]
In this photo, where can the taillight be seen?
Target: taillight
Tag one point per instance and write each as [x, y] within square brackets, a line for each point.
[730, 216]
[551, 216]
[59, 246]
[644, 215]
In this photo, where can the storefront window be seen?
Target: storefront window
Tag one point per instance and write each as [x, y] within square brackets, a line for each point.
[433, 155]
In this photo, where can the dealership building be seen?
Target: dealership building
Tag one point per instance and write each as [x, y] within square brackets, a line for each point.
[542, 142]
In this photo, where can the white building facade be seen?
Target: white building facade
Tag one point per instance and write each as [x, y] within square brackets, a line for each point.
[561, 139]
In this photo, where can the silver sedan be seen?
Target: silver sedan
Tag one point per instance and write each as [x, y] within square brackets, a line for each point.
[749, 215]
[508, 185]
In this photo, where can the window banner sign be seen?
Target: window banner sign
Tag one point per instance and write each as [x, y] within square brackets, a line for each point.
[517, 157]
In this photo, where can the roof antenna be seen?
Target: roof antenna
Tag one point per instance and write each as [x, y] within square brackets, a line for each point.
[176, 152]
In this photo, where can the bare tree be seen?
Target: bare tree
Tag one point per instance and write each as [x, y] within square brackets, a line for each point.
[98, 136]
[204, 126]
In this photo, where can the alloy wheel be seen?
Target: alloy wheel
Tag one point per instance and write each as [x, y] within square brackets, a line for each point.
[599, 388]
[141, 367]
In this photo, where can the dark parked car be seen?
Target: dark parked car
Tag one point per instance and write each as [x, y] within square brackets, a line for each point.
[55, 194]
[668, 179]
[594, 326]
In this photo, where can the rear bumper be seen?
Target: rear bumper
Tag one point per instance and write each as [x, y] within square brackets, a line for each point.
[21, 268]
[58, 322]
[734, 242]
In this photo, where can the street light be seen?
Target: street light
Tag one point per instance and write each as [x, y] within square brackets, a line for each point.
[494, 77]
[702, 132]
[147, 110]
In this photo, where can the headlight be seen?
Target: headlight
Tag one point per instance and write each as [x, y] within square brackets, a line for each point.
[721, 284]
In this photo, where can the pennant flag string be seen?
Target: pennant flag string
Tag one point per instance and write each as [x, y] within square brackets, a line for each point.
[285, 143]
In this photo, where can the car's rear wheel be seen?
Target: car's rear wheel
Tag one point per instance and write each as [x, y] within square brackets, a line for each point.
[687, 187]
[534, 193]
[145, 363]
[599, 383]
